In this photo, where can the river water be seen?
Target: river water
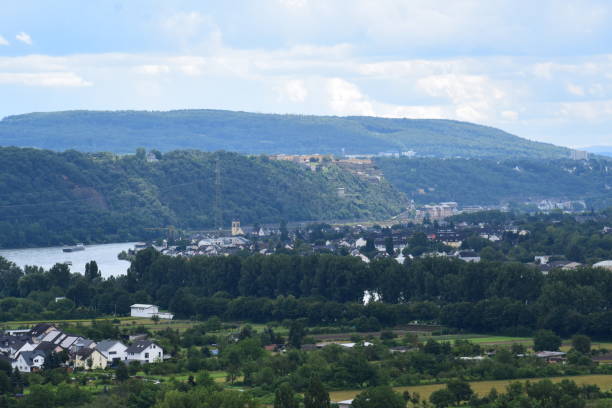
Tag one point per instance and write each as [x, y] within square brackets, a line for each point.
[105, 256]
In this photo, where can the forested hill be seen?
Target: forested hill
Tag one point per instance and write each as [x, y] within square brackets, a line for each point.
[60, 198]
[254, 133]
[474, 181]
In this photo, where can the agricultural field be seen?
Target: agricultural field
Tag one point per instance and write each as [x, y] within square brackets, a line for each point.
[483, 387]
[483, 339]
[123, 322]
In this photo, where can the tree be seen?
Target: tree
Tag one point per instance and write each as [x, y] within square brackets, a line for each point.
[581, 343]
[59, 275]
[389, 245]
[297, 332]
[121, 372]
[546, 340]
[6, 386]
[203, 379]
[460, 389]
[91, 271]
[284, 397]
[442, 398]
[316, 396]
[379, 397]
[55, 360]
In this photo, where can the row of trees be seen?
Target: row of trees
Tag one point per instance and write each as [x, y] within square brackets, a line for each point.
[484, 297]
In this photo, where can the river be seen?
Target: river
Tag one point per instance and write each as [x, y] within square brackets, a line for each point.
[105, 256]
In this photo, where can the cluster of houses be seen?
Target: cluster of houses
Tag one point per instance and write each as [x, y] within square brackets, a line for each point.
[351, 240]
[28, 350]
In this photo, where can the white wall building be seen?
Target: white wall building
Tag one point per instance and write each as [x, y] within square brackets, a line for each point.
[29, 361]
[113, 350]
[148, 311]
[145, 351]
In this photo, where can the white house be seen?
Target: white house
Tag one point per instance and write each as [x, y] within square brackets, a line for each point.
[29, 361]
[144, 351]
[24, 347]
[113, 350]
[142, 310]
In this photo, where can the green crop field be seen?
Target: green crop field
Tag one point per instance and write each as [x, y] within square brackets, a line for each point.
[483, 339]
[482, 387]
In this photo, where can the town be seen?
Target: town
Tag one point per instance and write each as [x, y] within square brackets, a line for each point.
[436, 230]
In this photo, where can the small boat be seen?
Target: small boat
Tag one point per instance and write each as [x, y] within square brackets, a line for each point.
[77, 247]
[68, 263]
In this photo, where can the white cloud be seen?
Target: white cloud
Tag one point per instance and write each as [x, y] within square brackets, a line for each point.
[575, 89]
[510, 115]
[588, 111]
[45, 79]
[24, 38]
[345, 98]
[293, 4]
[293, 90]
[496, 91]
[192, 30]
[3, 41]
[152, 69]
[475, 97]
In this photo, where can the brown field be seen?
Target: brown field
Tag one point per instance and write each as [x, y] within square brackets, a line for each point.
[483, 387]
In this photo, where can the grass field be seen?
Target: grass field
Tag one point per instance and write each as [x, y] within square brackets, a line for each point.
[483, 387]
[181, 325]
[483, 339]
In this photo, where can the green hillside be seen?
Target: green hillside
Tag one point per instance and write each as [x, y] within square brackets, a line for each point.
[476, 181]
[58, 198]
[254, 133]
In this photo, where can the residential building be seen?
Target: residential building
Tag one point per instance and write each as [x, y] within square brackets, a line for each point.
[29, 361]
[113, 350]
[89, 359]
[144, 351]
[40, 330]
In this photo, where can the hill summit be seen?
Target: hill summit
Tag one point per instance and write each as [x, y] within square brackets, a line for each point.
[257, 133]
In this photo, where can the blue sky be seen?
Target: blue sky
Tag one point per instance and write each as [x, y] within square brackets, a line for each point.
[541, 70]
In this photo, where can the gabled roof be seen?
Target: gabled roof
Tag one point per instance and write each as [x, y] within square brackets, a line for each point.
[40, 329]
[84, 352]
[81, 342]
[15, 342]
[142, 306]
[29, 356]
[45, 347]
[54, 336]
[106, 345]
[139, 346]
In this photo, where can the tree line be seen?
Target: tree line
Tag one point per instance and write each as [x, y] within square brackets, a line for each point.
[484, 297]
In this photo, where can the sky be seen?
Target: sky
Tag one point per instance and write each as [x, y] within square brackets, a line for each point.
[539, 69]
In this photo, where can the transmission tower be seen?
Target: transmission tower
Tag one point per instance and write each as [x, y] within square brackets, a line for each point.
[217, 206]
